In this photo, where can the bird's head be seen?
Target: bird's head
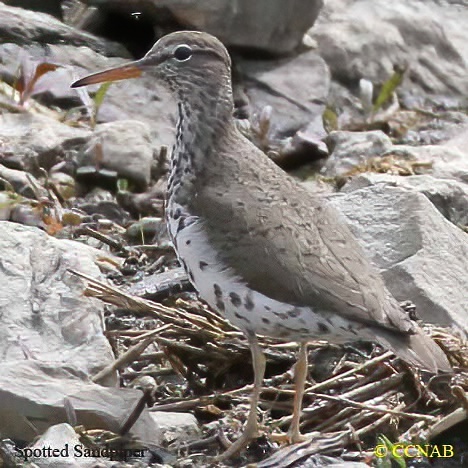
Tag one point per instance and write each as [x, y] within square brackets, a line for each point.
[179, 60]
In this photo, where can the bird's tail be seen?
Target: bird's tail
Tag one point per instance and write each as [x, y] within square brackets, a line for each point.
[417, 349]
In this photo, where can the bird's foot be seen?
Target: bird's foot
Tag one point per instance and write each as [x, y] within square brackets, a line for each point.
[290, 437]
[295, 437]
[250, 433]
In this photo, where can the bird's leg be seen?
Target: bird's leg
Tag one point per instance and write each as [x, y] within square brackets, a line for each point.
[300, 376]
[251, 428]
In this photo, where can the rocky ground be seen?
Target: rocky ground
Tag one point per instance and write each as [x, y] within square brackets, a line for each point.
[103, 341]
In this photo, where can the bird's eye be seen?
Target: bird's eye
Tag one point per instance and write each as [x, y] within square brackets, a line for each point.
[182, 52]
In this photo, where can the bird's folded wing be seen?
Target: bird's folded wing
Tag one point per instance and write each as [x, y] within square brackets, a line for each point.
[301, 253]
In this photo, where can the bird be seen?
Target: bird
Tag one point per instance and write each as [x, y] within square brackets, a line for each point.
[263, 251]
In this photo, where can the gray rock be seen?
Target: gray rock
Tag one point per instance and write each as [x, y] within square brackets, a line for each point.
[434, 131]
[271, 25]
[295, 88]
[64, 183]
[101, 203]
[6, 203]
[422, 256]
[180, 427]
[116, 144]
[41, 393]
[123, 101]
[24, 27]
[45, 316]
[61, 437]
[52, 7]
[450, 197]
[39, 141]
[22, 182]
[352, 149]
[446, 161]
[145, 229]
[366, 38]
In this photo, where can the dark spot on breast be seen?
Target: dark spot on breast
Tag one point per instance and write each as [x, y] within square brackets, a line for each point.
[181, 224]
[294, 312]
[202, 265]
[220, 304]
[323, 328]
[267, 308]
[281, 315]
[188, 242]
[241, 317]
[248, 302]
[217, 290]
[176, 215]
[235, 299]
[265, 320]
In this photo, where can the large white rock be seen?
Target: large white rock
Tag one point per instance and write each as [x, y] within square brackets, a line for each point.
[422, 256]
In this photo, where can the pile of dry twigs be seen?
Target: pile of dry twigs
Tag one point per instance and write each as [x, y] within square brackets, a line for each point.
[196, 362]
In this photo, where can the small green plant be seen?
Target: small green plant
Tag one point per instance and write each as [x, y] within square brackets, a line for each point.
[330, 119]
[92, 105]
[123, 185]
[98, 100]
[389, 87]
[386, 454]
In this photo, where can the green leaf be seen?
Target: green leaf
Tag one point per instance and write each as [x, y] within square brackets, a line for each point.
[330, 119]
[122, 185]
[384, 440]
[101, 94]
[99, 99]
[389, 87]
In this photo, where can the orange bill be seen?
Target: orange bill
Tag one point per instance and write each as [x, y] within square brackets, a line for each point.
[130, 70]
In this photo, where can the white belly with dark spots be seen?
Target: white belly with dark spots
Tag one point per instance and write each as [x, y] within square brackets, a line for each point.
[249, 310]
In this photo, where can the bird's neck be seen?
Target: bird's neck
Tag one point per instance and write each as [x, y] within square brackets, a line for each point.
[204, 121]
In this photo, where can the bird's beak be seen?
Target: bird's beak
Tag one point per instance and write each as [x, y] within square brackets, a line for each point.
[130, 70]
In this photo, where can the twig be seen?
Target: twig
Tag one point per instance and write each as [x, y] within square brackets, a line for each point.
[151, 333]
[378, 422]
[457, 416]
[375, 409]
[329, 382]
[129, 356]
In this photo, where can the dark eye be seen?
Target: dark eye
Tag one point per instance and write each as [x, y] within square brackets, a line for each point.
[182, 52]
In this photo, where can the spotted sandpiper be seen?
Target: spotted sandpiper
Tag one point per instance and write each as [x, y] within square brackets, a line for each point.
[259, 248]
